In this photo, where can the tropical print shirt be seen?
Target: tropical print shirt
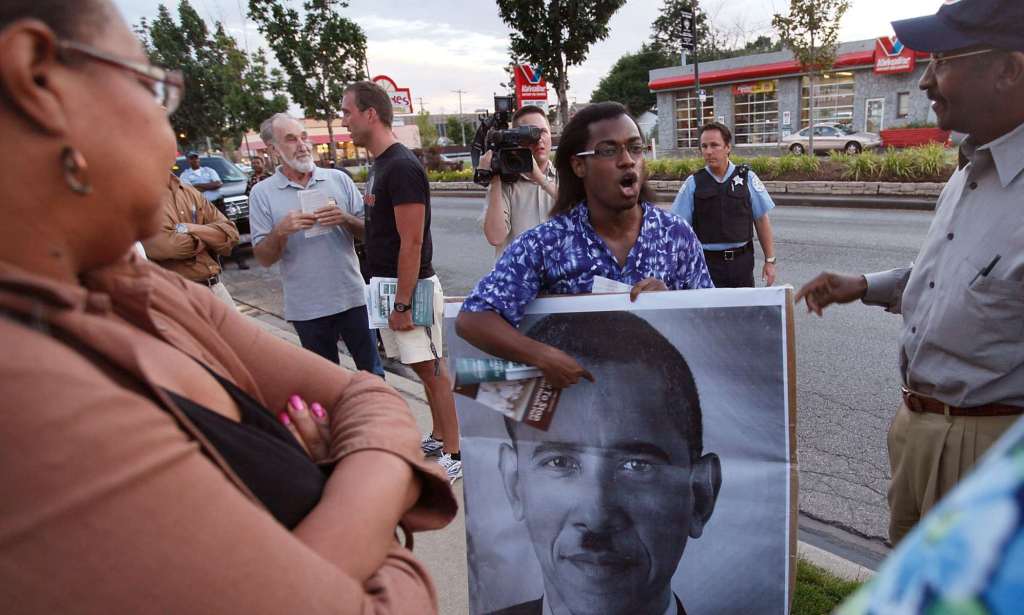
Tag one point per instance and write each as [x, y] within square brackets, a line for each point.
[967, 555]
[562, 256]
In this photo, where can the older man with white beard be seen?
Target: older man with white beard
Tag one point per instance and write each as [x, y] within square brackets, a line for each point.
[307, 217]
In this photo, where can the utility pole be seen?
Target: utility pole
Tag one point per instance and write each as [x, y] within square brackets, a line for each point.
[422, 108]
[461, 123]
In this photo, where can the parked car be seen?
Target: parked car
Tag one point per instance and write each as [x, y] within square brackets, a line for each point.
[236, 204]
[831, 137]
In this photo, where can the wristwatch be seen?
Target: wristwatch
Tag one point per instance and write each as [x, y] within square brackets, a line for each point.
[180, 228]
[770, 260]
[402, 307]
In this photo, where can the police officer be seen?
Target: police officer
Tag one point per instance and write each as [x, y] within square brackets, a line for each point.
[724, 203]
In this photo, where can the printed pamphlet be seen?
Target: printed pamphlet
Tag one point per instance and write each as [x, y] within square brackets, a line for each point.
[380, 301]
[516, 390]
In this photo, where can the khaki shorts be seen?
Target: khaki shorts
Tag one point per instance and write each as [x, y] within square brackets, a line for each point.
[415, 346]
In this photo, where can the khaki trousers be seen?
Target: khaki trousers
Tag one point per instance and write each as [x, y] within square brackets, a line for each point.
[221, 292]
[928, 455]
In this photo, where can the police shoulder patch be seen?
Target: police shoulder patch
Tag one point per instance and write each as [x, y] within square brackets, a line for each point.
[757, 184]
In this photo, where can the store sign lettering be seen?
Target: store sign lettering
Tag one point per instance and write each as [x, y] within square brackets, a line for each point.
[401, 98]
[759, 87]
[892, 56]
[530, 85]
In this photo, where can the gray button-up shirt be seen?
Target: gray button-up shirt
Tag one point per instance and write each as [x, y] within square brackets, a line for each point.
[320, 274]
[963, 317]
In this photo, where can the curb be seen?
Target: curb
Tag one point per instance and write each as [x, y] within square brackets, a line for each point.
[412, 391]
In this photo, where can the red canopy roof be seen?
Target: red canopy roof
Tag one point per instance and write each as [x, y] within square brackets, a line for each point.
[775, 69]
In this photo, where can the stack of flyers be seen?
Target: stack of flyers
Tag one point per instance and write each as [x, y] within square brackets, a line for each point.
[518, 391]
[380, 301]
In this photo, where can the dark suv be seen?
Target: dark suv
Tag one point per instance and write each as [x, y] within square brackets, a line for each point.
[236, 204]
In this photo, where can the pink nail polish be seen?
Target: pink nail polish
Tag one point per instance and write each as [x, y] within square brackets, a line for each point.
[318, 410]
[296, 402]
[285, 420]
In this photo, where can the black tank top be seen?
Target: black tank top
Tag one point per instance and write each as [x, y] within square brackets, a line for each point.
[262, 452]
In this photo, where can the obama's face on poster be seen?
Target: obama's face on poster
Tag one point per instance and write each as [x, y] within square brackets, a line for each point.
[611, 492]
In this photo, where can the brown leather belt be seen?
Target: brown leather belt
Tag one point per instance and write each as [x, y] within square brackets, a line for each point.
[919, 403]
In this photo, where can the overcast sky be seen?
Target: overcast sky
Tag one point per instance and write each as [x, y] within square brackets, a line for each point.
[434, 47]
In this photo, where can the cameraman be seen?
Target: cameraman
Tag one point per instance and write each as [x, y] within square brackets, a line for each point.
[516, 207]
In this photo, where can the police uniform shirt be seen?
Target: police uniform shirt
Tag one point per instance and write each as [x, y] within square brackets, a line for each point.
[760, 201]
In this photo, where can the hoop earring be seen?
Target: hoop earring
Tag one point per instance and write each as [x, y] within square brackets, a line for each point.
[76, 170]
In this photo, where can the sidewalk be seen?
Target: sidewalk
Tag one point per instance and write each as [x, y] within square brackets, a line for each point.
[444, 552]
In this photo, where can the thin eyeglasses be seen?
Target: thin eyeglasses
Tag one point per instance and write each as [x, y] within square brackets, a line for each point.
[614, 150]
[940, 61]
[167, 86]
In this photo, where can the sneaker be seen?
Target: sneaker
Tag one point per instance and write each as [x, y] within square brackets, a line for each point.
[452, 467]
[431, 447]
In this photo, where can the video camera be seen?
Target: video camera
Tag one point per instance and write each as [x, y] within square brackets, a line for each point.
[511, 156]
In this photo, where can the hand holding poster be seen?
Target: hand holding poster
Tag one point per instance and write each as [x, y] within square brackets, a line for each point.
[668, 485]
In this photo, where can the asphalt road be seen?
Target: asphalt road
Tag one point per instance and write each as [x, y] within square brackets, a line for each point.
[847, 382]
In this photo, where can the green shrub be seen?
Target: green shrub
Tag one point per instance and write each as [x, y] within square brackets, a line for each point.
[931, 159]
[766, 167]
[465, 175]
[807, 164]
[862, 166]
[361, 175]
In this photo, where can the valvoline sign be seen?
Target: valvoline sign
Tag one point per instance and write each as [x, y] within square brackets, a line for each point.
[530, 85]
[892, 56]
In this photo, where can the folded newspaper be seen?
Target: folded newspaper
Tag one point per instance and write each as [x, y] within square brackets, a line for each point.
[516, 390]
[380, 301]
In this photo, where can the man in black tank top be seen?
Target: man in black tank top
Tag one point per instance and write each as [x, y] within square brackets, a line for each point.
[724, 203]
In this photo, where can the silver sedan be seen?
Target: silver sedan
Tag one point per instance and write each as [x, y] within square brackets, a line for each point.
[831, 137]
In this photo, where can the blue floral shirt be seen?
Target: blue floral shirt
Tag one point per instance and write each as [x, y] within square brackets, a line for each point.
[562, 256]
[967, 555]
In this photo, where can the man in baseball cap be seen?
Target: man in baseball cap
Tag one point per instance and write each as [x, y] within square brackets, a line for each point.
[962, 343]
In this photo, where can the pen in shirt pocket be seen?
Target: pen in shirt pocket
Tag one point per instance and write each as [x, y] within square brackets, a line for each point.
[986, 270]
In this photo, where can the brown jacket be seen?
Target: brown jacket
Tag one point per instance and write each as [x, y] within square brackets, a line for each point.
[183, 253]
[108, 506]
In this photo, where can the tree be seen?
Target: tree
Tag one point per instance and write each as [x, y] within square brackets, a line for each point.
[627, 80]
[321, 55]
[226, 92]
[428, 132]
[556, 34]
[811, 31]
[454, 127]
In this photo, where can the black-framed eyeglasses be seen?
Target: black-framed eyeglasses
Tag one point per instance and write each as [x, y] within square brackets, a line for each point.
[938, 61]
[614, 150]
[167, 86]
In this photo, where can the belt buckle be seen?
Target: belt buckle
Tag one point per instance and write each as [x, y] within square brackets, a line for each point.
[729, 255]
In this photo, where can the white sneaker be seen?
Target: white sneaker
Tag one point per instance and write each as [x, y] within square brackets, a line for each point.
[452, 467]
[431, 446]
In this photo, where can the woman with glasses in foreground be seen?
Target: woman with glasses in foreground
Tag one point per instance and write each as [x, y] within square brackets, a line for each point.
[160, 453]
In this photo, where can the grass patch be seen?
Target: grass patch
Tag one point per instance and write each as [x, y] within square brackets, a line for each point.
[817, 591]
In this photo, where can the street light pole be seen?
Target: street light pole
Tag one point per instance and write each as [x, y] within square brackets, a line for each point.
[461, 123]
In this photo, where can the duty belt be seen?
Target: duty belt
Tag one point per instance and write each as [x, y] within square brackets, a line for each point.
[920, 403]
[730, 254]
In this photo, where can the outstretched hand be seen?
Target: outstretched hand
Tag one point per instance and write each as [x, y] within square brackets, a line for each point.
[828, 288]
[560, 369]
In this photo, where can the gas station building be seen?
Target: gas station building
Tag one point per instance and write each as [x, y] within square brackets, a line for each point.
[764, 97]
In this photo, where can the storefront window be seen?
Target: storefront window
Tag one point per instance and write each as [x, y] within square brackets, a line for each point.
[756, 109]
[687, 126]
[833, 99]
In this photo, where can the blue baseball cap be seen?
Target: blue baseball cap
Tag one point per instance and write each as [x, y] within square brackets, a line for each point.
[966, 23]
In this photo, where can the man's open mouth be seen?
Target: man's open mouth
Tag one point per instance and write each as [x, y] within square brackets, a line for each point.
[630, 184]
